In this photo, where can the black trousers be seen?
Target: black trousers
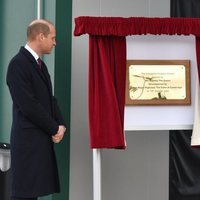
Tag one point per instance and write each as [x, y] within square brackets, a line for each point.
[18, 198]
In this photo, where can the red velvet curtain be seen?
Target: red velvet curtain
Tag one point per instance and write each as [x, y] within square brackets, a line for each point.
[120, 26]
[107, 71]
[108, 63]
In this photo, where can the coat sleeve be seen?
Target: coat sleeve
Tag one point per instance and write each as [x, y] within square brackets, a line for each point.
[19, 83]
[57, 113]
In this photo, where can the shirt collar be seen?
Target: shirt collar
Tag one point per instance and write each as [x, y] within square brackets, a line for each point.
[33, 53]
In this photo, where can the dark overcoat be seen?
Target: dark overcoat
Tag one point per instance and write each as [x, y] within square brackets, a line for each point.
[36, 117]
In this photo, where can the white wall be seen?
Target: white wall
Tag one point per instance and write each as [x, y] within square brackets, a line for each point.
[141, 171]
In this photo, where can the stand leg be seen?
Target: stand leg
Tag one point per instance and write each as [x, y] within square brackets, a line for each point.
[96, 174]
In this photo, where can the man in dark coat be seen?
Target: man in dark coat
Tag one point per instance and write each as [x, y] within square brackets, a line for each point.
[37, 120]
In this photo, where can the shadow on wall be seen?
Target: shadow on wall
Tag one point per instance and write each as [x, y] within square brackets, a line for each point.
[2, 67]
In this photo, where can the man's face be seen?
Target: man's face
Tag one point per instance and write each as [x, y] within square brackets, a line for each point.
[49, 41]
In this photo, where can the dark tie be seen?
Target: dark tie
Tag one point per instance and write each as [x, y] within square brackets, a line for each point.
[39, 62]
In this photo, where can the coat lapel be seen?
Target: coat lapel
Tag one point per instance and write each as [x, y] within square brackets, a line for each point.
[43, 73]
[46, 77]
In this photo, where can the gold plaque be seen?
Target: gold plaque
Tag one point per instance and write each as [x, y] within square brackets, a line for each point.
[158, 82]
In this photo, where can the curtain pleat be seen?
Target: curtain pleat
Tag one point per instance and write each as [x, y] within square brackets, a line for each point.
[120, 26]
[185, 8]
[107, 69]
[184, 162]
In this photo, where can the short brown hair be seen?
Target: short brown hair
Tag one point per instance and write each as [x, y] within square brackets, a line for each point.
[36, 27]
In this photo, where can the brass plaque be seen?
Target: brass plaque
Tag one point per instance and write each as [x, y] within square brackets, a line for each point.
[158, 82]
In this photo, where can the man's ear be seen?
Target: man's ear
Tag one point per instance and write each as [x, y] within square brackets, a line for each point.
[40, 36]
